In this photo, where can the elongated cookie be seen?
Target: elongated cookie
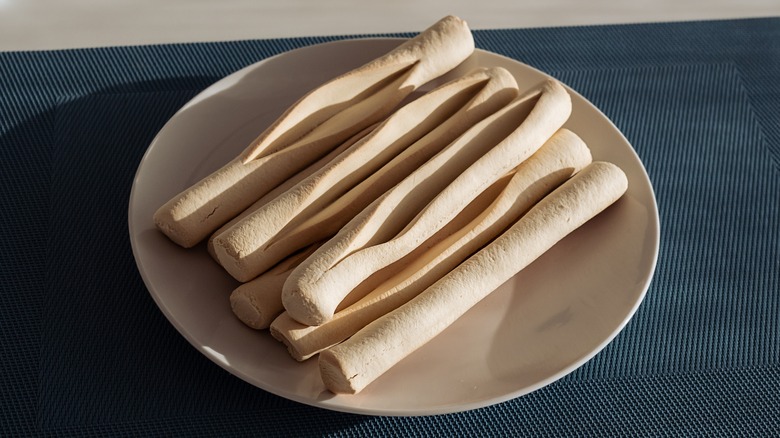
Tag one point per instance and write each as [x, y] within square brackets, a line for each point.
[352, 365]
[311, 127]
[420, 205]
[484, 219]
[363, 171]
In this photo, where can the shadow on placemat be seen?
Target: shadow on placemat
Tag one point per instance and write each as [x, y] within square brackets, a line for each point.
[107, 354]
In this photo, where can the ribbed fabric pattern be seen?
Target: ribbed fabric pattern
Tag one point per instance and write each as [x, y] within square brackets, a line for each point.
[85, 352]
[714, 179]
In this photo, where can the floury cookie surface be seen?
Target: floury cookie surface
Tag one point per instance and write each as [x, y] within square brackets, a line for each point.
[318, 206]
[415, 209]
[355, 363]
[479, 223]
[314, 125]
[365, 219]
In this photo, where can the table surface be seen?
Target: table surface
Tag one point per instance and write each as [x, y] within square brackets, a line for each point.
[87, 352]
[55, 24]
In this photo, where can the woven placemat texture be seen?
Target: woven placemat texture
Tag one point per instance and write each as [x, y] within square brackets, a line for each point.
[85, 351]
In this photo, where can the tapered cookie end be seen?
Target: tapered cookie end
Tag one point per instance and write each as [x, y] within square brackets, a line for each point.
[164, 221]
[334, 376]
[280, 334]
[307, 303]
[246, 311]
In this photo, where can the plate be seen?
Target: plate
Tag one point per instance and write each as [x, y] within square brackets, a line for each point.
[539, 326]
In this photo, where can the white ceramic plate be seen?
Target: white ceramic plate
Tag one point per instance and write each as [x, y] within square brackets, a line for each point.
[538, 327]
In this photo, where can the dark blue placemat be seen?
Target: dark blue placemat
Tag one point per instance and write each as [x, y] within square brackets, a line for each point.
[86, 352]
